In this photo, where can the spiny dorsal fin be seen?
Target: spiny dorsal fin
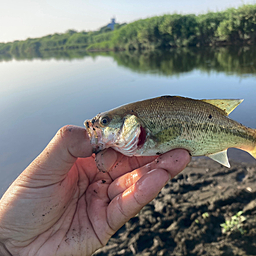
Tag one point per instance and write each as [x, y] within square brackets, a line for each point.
[220, 157]
[227, 105]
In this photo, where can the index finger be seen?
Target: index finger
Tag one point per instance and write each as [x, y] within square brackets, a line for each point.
[117, 164]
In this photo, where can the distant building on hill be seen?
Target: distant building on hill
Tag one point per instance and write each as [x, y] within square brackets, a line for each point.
[112, 24]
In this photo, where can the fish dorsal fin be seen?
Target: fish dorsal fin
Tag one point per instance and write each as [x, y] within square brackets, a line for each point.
[227, 105]
[220, 157]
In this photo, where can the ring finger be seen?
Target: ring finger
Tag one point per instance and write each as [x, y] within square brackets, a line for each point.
[125, 181]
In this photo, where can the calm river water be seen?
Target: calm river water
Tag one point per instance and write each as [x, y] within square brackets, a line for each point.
[41, 93]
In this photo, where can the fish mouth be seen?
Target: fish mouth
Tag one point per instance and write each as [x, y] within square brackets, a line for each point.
[95, 136]
[125, 142]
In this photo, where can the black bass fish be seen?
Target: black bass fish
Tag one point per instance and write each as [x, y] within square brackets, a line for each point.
[155, 126]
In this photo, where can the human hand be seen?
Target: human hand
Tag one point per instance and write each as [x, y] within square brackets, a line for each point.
[62, 205]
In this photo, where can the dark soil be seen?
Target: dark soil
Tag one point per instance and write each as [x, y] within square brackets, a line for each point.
[185, 218]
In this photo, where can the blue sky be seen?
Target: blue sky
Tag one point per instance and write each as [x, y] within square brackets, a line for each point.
[35, 18]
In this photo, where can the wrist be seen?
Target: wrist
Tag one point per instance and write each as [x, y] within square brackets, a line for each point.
[3, 250]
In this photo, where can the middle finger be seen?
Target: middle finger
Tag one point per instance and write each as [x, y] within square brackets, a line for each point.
[116, 164]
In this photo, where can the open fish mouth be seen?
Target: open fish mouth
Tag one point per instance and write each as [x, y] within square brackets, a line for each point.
[130, 137]
[95, 136]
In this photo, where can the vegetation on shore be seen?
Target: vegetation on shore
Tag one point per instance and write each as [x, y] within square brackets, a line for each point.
[233, 26]
[69, 40]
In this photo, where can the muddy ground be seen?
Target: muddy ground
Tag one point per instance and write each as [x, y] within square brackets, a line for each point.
[185, 218]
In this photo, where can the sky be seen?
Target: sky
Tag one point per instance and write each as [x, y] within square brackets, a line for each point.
[20, 20]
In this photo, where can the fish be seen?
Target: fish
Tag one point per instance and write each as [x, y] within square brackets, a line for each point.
[154, 126]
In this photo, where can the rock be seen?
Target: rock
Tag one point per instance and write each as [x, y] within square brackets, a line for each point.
[159, 205]
[250, 207]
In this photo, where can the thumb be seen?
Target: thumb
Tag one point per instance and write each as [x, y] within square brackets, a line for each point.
[69, 143]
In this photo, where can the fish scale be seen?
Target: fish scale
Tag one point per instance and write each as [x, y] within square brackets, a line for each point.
[160, 124]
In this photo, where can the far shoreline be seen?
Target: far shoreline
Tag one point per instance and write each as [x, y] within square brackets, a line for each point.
[234, 26]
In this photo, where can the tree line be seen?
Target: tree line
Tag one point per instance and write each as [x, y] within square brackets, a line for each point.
[232, 26]
[69, 40]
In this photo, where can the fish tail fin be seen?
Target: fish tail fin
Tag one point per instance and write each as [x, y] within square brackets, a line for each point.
[253, 150]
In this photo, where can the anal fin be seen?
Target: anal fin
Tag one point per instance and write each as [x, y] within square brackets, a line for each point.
[220, 157]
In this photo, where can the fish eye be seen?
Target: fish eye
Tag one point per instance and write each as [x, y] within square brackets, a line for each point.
[104, 121]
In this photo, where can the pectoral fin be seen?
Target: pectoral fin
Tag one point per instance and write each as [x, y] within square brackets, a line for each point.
[227, 105]
[220, 157]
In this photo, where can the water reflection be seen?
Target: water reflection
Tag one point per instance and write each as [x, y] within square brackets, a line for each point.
[37, 97]
[231, 60]
[45, 55]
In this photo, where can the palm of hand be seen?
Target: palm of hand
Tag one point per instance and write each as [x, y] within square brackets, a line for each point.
[72, 216]
[75, 221]
[66, 217]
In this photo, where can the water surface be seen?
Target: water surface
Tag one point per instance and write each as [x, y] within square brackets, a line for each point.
[40, 93]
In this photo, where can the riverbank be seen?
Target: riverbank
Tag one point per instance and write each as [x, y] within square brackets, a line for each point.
[186, 217]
